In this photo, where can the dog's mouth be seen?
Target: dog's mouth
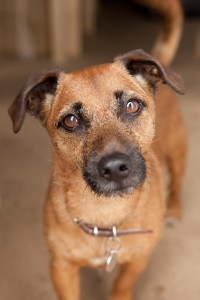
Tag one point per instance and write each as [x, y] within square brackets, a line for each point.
[115, 174]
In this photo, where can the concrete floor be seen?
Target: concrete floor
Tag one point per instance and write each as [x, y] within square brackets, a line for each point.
[174, 270]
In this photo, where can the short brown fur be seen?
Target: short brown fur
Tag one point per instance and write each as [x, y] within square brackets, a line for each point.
[69, 196]
[171, 27]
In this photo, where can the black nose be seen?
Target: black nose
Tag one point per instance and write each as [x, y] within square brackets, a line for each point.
[115, 167]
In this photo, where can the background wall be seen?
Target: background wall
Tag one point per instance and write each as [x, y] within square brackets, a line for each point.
[25, 158]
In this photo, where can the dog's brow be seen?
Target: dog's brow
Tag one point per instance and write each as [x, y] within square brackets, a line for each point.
[78, 107]
[119, 101]
[79, 110]
[118, 95]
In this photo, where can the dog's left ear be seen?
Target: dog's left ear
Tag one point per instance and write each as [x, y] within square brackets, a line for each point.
[138, 62]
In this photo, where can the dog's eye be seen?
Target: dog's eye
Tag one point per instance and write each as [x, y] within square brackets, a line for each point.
[70, 122]
[132, 106]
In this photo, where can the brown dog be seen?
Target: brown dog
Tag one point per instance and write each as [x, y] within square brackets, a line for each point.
[113, 142]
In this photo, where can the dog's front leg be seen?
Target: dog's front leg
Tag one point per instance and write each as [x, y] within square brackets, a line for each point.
[129, 272]
[66, 279]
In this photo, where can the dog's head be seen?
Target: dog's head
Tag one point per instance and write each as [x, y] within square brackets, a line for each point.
[102, 119]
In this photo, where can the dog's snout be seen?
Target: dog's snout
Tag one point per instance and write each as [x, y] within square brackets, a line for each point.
[115, 167]
[115, 173]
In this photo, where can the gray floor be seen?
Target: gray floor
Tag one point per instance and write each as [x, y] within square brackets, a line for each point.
[174, 270]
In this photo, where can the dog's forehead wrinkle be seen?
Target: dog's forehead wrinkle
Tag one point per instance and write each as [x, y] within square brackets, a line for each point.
[90, 78]
[95, 79]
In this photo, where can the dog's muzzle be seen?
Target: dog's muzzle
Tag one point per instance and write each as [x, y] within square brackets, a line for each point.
[115, 173]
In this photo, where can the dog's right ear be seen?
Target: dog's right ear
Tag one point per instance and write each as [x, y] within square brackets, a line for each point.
[39, 88]
[138, 62]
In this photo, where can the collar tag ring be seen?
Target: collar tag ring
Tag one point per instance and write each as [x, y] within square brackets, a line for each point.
[96, 231]
[114, 231]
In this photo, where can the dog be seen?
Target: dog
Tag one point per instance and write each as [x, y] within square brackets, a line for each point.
[112, 129]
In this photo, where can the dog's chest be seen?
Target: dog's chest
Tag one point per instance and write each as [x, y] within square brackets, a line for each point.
[93, 251]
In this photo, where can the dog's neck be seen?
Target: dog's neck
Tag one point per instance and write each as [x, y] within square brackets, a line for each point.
[108, 232]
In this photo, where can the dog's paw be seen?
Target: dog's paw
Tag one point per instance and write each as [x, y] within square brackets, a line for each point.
[171, 222]
[173, 216]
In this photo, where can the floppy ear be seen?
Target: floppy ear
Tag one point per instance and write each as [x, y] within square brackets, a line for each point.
[138, 62]
[39, 88]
